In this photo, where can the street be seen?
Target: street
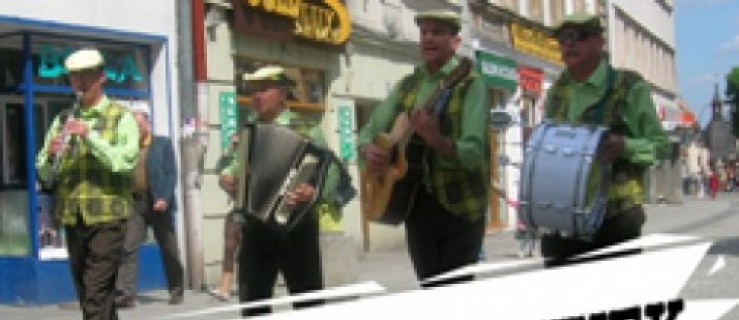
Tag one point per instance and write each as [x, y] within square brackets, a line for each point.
[710, 219]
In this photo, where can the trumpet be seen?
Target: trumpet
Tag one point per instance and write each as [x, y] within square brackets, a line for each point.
[66, 141]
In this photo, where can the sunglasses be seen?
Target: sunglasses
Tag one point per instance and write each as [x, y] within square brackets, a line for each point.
[574, 35]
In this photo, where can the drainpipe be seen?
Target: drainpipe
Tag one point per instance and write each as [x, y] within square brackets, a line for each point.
[194, 136]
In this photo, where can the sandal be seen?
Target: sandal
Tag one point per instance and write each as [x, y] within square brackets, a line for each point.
[215, 293]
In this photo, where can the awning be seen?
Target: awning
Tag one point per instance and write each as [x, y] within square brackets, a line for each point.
[500, 72]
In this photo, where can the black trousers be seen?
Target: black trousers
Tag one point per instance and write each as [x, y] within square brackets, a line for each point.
[439, 241]
[267, 250]
[619, 228]
[164, 234]
[94, 257]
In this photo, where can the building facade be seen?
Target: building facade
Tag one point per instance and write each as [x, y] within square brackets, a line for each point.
[641, 37]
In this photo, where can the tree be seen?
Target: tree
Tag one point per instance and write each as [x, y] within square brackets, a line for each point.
[732, 93]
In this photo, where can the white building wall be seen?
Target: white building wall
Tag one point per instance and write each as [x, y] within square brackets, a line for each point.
[653, 16]
[153, 18]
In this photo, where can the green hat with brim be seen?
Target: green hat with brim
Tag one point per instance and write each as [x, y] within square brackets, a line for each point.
[582, 21]
[448, 17]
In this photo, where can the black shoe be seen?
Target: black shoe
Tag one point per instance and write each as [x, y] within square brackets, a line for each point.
[125, 302]
[176, 298]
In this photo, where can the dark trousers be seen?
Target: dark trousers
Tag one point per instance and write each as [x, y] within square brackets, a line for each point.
[165, 235]
[266, 250]
[619, 228]
[94, 257]
[439, 241]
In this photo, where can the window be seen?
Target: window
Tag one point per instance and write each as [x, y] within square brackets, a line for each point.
[536, 10]
[14, 146]
[125, 66]
[580, 6]
[508, 4]
[556, 11]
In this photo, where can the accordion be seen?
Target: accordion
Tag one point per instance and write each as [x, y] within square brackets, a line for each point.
[274, 160]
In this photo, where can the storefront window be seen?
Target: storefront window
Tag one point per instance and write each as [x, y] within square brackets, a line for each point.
[125, 65]
[14, 240]
[127, 70]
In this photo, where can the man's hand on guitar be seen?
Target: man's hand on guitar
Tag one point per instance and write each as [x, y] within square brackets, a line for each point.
[302, 194]
[375, 157]
[426, 125]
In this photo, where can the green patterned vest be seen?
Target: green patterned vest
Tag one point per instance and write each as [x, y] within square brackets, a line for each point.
[86, 187]
[627, 188]
[463, 192]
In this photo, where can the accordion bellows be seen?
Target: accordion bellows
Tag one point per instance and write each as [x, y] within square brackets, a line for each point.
[274, 160]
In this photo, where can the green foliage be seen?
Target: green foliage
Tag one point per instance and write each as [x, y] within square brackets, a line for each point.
[732, 93]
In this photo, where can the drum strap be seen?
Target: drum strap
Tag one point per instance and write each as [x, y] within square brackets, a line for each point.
[595, 113]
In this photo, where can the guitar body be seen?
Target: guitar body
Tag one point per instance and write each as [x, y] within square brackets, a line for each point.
[387, 196]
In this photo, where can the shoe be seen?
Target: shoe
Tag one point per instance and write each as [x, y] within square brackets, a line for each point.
[122, 302]
[215, 293]
[176, 298]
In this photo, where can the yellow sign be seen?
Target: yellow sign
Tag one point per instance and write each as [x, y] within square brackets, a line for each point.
[330, 23]
[536, 43]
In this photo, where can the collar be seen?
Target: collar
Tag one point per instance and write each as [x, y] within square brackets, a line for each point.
[598, 78]
[444, 71]
[285, 118]
[99, 107]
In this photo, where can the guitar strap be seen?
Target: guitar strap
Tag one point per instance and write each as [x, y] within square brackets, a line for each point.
[438, 100]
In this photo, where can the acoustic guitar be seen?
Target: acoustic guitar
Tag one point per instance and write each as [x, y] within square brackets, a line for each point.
[387, 195]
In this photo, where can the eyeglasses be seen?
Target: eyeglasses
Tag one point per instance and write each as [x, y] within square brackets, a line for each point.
[574, 35]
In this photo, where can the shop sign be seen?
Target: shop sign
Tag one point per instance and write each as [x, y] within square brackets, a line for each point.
[345, 115]
[229, 117]
[328, 23]
[497, 71]
[121, 66]
[534, 42]
[531, 80]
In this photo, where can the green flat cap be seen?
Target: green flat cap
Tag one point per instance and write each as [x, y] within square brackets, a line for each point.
[581, 20]
[448, 17]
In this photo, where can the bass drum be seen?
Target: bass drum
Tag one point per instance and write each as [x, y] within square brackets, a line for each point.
[563, 188]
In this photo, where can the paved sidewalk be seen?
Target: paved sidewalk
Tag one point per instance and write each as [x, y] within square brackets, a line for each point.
[392, 268]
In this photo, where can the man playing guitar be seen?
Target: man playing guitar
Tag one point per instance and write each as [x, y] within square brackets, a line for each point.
[445, 222]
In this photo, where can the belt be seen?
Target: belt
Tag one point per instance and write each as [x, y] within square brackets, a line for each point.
[138, 195]
[619, 205]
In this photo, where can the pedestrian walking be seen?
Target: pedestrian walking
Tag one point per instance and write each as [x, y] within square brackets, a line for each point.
[232, 224]
[154, 204]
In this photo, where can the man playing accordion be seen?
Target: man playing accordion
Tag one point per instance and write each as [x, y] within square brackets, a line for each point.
[265, 249]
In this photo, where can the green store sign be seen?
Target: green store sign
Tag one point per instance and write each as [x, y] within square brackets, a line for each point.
[499, 72]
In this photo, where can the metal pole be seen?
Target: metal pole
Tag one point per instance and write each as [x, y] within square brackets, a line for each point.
[191, 148]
